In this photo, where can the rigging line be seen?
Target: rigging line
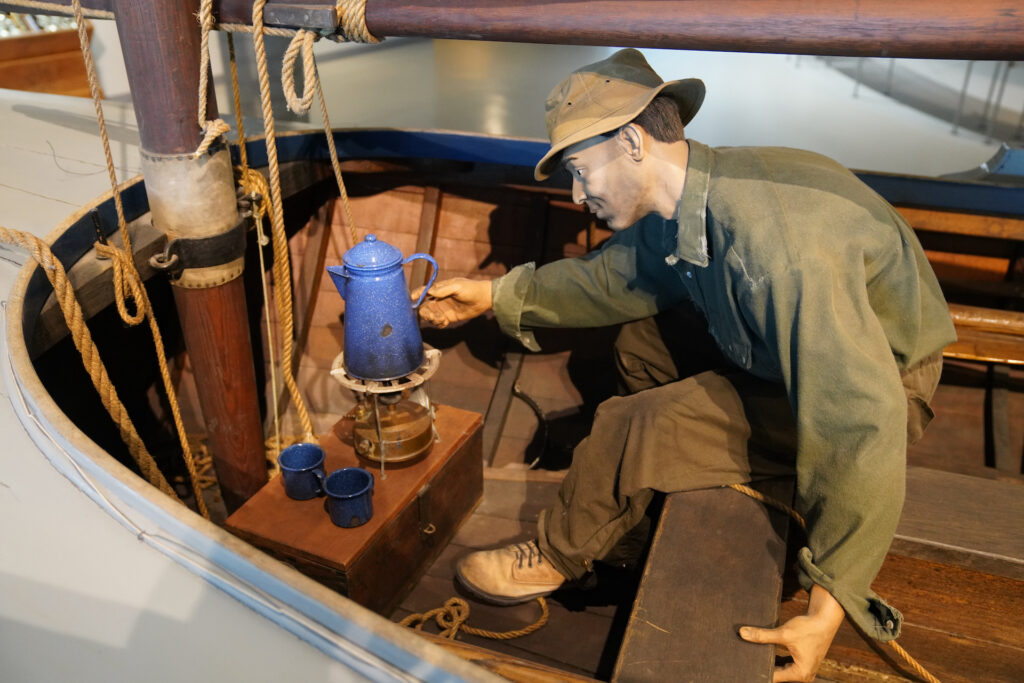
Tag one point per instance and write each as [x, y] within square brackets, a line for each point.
[282, 269]
[259, 192]
[212, 129]
[127, 283]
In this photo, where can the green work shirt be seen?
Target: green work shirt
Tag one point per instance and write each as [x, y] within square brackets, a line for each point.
[806, 277]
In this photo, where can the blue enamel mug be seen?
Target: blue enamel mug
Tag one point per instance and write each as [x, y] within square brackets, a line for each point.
[302, 470]
[349, 496]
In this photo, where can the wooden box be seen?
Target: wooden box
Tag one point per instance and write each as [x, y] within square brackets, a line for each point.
[416, 511]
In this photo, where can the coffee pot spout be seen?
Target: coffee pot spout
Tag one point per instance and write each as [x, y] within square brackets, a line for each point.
[339, 275]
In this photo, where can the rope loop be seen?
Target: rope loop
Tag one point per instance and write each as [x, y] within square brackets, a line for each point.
[127, 283]
[301, 42]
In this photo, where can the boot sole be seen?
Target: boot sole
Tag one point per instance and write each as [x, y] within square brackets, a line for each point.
[500, 600]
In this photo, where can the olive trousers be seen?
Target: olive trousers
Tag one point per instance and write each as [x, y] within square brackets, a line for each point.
[688, 420]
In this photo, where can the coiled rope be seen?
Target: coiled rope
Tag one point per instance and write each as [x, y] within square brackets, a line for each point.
[451, 618]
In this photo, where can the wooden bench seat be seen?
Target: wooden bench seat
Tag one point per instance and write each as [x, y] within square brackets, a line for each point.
[715, 563]
[955, 569]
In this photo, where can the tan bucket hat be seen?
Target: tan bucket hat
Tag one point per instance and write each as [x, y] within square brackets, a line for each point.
[605, 95]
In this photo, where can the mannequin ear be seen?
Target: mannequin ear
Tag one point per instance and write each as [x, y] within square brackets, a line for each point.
[632, 140]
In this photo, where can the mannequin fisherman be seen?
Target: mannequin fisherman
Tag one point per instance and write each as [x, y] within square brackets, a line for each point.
[827, 316]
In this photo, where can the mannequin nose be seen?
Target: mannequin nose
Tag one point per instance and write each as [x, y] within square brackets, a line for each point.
[578, 195]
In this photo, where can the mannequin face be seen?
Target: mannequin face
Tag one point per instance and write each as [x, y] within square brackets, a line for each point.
[607, 176]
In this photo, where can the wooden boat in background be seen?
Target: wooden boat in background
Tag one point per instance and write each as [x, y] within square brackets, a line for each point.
[472, 201]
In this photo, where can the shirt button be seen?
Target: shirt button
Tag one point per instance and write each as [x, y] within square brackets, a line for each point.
[689, 273]
[889, 624]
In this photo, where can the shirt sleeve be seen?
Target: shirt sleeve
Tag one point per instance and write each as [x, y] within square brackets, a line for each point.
[627, 279]
[848, 399]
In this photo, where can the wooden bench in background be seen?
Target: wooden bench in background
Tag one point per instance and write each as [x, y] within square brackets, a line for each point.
[979, 260]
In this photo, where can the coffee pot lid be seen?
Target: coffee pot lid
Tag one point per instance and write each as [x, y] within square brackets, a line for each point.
[371, 254]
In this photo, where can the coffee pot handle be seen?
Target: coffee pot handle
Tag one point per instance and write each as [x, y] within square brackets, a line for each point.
[433, 274]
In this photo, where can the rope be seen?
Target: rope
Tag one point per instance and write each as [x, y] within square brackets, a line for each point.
[212, 129]
[335, 164]
[282, 271]
[90, 354]
[767, 500]
[302, 42]
[255, 186]
[913, 663]
[451, 618]
[127, 284]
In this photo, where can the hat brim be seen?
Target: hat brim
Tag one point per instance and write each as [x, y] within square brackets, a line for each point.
[688, 94]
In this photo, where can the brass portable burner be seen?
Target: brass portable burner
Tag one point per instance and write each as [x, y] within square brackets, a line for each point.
[393, 422]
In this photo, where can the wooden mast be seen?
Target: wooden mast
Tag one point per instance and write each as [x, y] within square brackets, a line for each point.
[160, 42]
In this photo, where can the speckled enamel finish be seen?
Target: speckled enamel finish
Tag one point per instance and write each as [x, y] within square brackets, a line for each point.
[382, 334]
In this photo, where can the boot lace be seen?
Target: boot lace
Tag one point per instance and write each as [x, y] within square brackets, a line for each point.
[527, 552]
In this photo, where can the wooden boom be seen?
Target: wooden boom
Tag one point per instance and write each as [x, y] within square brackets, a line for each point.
[933, 29]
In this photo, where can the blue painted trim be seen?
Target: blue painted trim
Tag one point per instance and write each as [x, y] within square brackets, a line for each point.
[936, 193]
[955, 195]
[393, 144]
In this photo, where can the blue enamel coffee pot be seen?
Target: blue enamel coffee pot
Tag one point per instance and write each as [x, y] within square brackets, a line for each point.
[382, 335]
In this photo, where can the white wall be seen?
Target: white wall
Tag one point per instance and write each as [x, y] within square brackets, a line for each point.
[499, 88]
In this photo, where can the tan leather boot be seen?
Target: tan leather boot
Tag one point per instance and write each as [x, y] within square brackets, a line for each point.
[509, 576]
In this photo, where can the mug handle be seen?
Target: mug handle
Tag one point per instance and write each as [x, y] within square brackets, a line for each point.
[433, 274]
[319, 474]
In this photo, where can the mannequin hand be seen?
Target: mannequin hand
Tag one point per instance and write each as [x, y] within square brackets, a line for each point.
[454, 301]
[807, 637]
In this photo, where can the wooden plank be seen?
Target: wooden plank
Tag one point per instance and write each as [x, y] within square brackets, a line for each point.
[716, 563]
[426, 237]
[960, 223]
[964, 626]
[1000, 452]
[570, 640]
[962, 520]
[307, 284]
[507, 666]
[501, 400]
[92, 279]
[521, 500]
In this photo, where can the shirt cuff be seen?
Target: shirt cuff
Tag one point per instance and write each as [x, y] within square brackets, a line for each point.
[867, 610]
[508, 294]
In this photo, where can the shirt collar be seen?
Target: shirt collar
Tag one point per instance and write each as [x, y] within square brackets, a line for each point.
[692, 238]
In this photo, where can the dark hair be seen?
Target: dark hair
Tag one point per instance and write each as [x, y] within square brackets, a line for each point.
[661, 120]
